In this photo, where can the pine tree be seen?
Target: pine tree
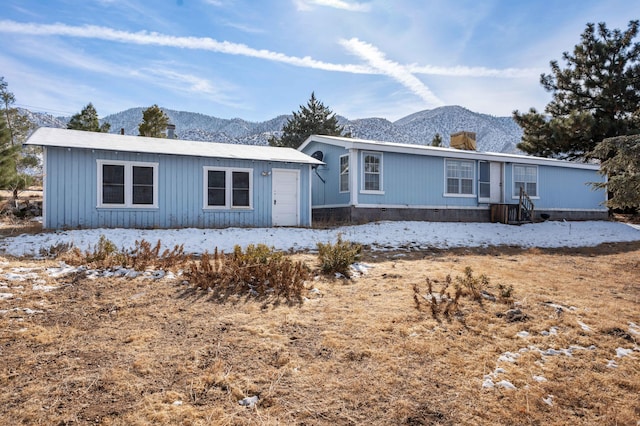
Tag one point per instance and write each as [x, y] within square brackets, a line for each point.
[8, 99]
[621, 162]
[594, 97]
[87, 120]
[154, 122]
[437, 140]
[312, 119]
[8, 156]
[14, 130]
[17, 124]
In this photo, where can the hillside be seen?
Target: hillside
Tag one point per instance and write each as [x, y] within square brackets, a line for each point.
[495, 134]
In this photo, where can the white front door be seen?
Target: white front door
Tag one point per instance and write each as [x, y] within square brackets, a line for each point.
[490, 182]
[285, 203]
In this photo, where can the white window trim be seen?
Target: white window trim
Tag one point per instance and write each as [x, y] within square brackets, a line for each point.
[473, 183]
[340, 174]
[128, 184]
[372, 191]
[513, 181]
[228, 188]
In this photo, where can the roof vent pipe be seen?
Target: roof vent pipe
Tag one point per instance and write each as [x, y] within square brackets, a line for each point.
[171, 131]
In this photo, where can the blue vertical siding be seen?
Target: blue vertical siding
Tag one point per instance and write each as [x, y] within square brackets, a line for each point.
[72, 192]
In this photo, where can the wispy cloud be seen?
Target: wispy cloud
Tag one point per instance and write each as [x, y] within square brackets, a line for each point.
[244, 28]
[462, 71]
[336, 4]
[168, 76]
[377, 60]
[157, 39]
[181, 82]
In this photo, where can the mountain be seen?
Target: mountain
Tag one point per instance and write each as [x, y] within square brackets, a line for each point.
[44, 120]
[494, 134]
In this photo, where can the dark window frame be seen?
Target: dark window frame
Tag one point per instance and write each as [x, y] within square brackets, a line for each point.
[131, 190]
[238, 188]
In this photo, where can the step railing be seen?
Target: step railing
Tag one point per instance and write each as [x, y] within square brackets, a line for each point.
[514, 214]
[525, 207]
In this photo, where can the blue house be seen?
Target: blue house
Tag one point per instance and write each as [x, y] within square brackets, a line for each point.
[363, 180]
[96, 180]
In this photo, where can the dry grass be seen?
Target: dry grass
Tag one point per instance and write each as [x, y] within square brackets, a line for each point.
[141, 352]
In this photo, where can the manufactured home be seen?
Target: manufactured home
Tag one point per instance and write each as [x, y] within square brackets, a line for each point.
[364, 180]
[94, 180]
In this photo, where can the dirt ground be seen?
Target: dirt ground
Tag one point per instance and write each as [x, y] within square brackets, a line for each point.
[122, 351]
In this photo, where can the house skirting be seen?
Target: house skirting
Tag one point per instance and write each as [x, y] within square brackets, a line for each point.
[573, 214]
[356, 215]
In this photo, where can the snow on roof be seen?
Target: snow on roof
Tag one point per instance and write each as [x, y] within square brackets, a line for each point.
[47, 136]
[354, 143]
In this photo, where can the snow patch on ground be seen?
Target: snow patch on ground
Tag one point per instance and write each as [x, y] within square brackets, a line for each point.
[383, 235]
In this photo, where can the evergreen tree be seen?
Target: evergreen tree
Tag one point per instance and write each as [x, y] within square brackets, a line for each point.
[154, 122]
[437, 140]
[8, 156]
[312, 119]
[594, 97]
[621, 162]
[8, 99]
[14, 130]
[87, 120]
[18, 125]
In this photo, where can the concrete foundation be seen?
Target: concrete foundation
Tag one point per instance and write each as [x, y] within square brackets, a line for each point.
[357, 215]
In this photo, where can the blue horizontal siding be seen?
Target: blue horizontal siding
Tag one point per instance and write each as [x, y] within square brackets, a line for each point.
[72, 198]
[419, 181]
[327, 193]
[411, 180]
[563, 188]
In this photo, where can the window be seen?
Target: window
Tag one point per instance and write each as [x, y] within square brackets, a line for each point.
[344, 173]
[459, 177]
[142, 185]
[216, 192]
[484, 185]
[241, 189]
[127, 184]
[372, 171]
[525, 177]
[228, 188]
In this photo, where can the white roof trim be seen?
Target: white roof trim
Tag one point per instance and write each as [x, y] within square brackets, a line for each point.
[64, 138]
[351, 143]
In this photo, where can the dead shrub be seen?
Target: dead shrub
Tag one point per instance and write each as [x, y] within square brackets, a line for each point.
[106, 255]
[258, 271]
[506, 292]
[443, 302]
[338, 257]
[473, 286]
[446, 302]
[56, 250]
[143, 256]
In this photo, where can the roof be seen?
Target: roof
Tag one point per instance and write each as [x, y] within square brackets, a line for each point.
[64, 138]
[363, 144]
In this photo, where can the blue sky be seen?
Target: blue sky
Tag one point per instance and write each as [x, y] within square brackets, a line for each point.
[258, 59]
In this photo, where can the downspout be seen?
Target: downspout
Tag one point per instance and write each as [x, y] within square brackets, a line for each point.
[353, 177]
[310, 197]
[44, 188]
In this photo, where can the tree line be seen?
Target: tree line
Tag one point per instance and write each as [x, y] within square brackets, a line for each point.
[154, 122]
